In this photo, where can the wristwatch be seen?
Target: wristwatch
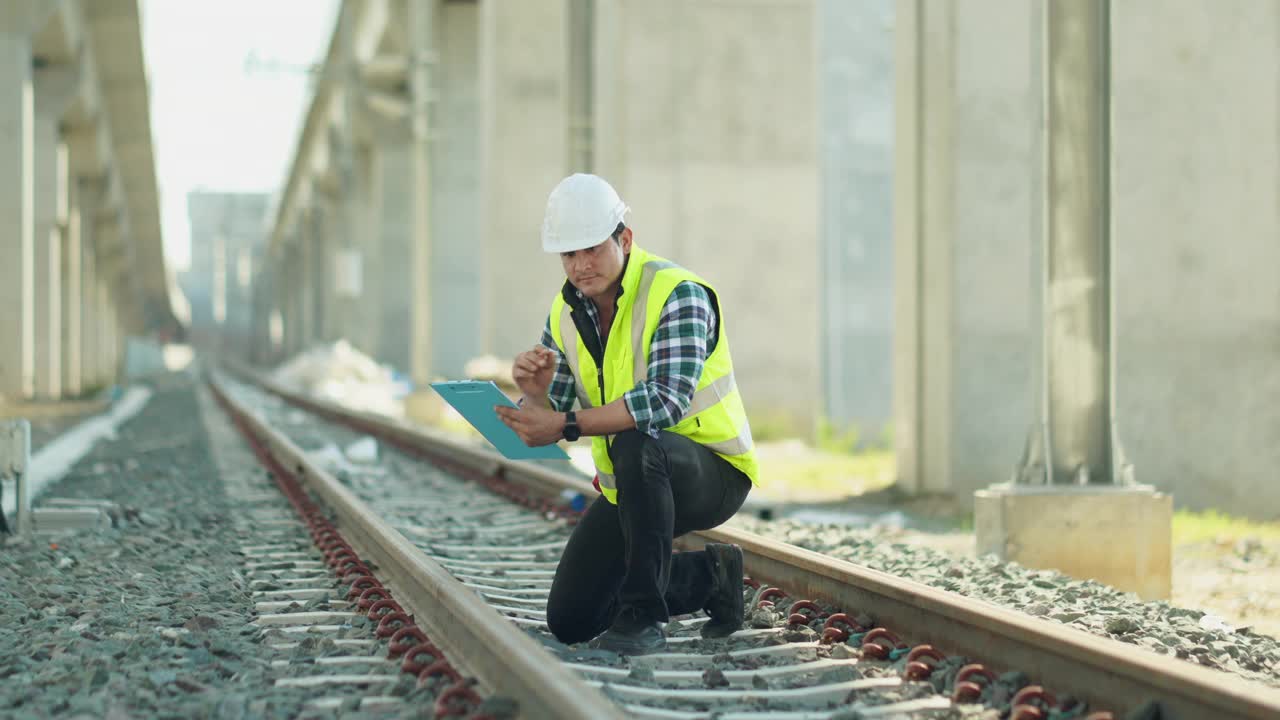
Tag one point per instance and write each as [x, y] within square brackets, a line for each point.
[571, 431]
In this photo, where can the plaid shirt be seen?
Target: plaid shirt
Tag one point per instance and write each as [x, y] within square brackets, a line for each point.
[676, 357]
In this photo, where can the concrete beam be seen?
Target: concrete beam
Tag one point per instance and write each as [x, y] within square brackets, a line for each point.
[369, 22]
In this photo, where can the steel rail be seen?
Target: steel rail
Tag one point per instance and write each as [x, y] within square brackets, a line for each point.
[473, 635]
[1106, 673]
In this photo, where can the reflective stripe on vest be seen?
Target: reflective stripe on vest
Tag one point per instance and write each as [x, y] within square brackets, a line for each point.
[569, 332]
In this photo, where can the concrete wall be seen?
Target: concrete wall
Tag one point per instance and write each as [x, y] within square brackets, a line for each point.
[855, 45]
[522, 157]
[1197, 247]
[707, 125]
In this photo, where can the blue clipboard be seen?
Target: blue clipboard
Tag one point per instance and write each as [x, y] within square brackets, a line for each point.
[475, 400]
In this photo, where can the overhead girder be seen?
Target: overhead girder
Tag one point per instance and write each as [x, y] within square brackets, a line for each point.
[379, 76]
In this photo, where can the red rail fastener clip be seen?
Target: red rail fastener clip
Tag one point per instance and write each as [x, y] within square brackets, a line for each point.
[766, 597]
[391, 622]
[966, 690]
[361, 584]
[412, 664]
[405, 639]
[878, 643]
[439, 668]
[916, 668]
[383, 607]
[369, 596]
[1022, 707]
[797, 616]
[456, 701]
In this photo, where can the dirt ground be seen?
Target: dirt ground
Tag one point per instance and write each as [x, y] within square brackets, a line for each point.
[1237, 579]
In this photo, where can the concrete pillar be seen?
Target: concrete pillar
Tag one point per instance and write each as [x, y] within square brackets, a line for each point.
[52, 87]
[89, 196]
[292, 296]
[72, 301]
[391, 262]
[706, 123]
[1074, 506]
[1072, 443]
[423, 63]
[106, 333]
[308, 242]
[855, 56]
[17, 323]
[328, 233]
[358, 298]
[455, 278]
[966, 176]
[523, 155]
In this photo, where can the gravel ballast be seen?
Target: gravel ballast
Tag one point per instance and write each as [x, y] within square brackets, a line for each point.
[1095, 608]
[150, 617]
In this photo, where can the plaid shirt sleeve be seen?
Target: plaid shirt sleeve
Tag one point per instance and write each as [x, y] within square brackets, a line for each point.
[677, 355]
[562, 393]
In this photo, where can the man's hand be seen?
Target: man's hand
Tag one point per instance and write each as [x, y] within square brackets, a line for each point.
[536, 426]
[532, 371]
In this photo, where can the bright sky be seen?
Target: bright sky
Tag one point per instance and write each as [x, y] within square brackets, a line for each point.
[218, 124]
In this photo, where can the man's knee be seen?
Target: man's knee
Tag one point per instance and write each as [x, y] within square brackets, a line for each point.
[637, 457]
[627, 447]
[567, 624]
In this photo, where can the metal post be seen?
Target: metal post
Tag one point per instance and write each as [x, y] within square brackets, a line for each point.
[1074, 442]
[15, 458]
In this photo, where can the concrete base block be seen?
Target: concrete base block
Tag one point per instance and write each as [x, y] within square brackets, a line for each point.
[54, 520]
[1120, 536]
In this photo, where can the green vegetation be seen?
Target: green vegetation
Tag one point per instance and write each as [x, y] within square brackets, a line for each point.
[1214, 526]
[815, 473]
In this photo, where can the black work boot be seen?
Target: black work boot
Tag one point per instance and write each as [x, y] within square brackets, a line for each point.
[631, 635]
[725, 604]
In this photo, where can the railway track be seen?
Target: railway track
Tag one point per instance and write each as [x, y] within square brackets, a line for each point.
[470, 571]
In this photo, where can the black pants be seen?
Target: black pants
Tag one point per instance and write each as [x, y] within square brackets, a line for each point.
[619, 556]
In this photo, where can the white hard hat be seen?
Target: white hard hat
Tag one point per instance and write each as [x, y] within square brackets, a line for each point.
[582, 212]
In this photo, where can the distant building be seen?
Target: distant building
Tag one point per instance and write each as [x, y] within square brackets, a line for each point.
[227, 236]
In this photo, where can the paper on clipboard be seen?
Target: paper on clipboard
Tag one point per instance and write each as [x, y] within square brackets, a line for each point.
[475, 400]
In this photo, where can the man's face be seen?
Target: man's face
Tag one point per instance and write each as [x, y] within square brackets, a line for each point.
[593, 270]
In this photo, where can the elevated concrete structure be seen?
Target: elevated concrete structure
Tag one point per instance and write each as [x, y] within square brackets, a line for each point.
[75, 114]
[517, 96]
[227, 236]
[741, 131]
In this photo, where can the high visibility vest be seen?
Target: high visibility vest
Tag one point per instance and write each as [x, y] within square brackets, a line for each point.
[715, 419]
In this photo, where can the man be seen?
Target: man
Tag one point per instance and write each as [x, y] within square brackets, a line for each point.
[641, 344]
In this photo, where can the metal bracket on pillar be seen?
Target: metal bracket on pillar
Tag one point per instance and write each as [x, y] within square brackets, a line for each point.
[15, 459]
